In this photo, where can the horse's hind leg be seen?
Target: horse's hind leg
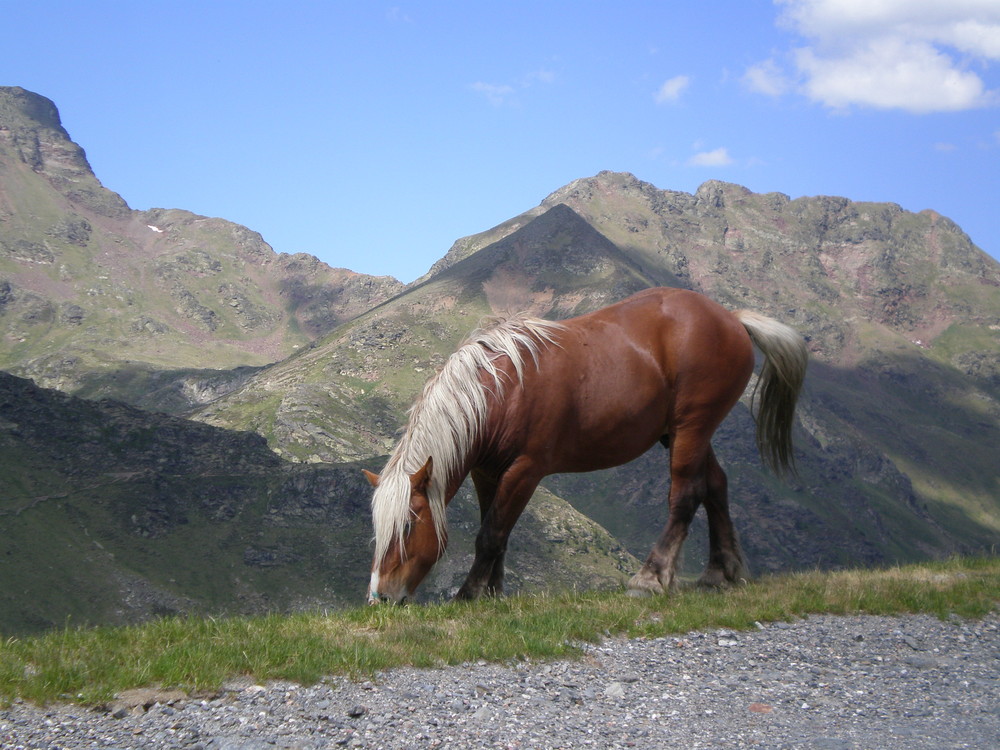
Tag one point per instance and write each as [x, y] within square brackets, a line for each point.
[725, 558]
[688, 489]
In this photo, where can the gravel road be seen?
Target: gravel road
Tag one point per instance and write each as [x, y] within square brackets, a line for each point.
[823, 682]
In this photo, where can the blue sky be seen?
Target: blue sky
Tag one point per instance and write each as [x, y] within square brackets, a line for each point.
[374, 134]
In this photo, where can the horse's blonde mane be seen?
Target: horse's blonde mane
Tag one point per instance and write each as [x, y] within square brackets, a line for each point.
[446, 420]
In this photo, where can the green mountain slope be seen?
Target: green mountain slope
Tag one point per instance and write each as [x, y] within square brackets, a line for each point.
[110, 514]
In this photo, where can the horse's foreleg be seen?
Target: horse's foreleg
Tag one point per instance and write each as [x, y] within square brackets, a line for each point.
[688, 488]
[486, 485]
[512, 493]
[725, 558]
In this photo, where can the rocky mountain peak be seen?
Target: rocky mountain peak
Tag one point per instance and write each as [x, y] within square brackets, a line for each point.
[606, 183]
[716, 193]
[21, 109]
[31, 132]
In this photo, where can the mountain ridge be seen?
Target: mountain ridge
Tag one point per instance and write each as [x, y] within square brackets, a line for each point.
[554, 262]
[92, 292]
[896, 342]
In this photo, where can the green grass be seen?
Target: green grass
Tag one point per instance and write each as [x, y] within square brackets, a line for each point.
[199, 654]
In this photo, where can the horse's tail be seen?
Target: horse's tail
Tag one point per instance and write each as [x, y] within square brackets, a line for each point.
[785, 361]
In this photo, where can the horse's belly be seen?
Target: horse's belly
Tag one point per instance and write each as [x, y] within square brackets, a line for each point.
[603, 456]
[602, 443]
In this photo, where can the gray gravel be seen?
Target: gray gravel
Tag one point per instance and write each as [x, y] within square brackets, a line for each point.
[824, 682]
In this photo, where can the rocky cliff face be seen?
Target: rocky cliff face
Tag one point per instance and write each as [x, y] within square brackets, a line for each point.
[98, 299]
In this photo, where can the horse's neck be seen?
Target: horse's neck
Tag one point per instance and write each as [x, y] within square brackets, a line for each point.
[449, 479]
[453, 458]
[454, 482]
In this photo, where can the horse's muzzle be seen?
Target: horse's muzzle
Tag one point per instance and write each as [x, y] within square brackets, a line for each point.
[375, 598]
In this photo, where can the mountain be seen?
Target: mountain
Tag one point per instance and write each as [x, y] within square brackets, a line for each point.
[261, 505]
[110, 514]
[343, 399]
[899, 421]
[101, 300]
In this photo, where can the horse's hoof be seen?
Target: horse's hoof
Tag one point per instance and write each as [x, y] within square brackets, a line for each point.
[641, 586]
[465, 595]
[715, 579]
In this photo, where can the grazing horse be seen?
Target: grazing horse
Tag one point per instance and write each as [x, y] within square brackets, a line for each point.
[525, 398]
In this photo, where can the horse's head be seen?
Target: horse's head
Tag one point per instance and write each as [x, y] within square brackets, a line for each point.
[410, 548]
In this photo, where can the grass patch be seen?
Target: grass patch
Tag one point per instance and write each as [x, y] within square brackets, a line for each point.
[91, 665]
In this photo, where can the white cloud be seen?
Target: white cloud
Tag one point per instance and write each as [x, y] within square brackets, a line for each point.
[891, 73]
[975, 38]
[496, 94]
[396, 14]
[972, 26]
[671, 90]
[539, 76]
[766, 78]
[717, 158]
[499, 94]
[913, 55]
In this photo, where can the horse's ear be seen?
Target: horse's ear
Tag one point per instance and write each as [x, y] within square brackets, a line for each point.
[372, 478]
[422, 478]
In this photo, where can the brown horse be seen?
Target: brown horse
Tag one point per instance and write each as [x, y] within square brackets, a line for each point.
[526, 398]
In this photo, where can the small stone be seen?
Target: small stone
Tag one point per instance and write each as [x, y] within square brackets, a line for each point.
[920, 662]
[830, 743]
[482, 713]
[357, 711]
[615, 690]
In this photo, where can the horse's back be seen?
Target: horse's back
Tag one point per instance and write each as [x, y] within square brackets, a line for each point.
[621, 378]
[686, 332]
